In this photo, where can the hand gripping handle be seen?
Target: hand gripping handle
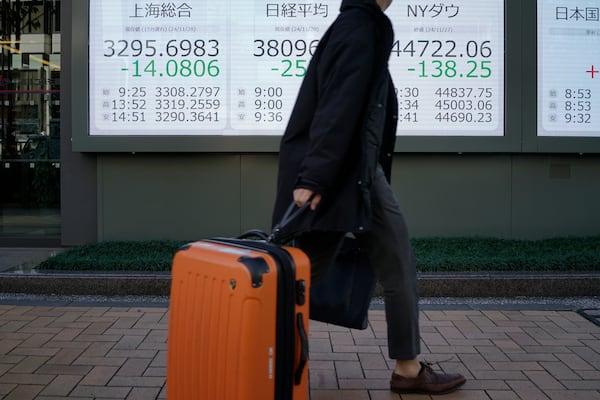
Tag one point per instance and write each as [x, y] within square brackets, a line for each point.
[289, 215]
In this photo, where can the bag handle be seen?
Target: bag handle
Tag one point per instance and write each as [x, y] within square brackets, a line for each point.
[290, 214]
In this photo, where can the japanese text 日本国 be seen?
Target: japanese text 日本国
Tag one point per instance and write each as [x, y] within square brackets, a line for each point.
[578, 13]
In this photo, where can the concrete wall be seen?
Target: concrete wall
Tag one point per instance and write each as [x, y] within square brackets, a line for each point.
[508, 196]
[516, 186]
[190, 196]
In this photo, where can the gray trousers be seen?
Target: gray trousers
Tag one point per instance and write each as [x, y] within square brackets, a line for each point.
[391, 256]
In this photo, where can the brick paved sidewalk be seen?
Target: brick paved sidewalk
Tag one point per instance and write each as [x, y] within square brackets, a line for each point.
[120, 353]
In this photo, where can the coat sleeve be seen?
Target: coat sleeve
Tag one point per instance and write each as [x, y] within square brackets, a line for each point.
[344, 76]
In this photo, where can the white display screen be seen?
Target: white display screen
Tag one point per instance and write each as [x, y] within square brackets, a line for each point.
[448, 66]
[569, 68]
[234, 67]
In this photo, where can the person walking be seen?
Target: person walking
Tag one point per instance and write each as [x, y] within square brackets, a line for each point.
[336, 154]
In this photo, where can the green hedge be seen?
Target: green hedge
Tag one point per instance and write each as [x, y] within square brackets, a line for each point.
[150, 256]
[484, 254]
[433, 255]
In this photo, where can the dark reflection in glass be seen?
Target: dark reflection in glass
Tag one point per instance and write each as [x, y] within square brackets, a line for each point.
[29, 119]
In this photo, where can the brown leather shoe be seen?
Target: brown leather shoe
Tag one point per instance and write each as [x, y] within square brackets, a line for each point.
[427, 382]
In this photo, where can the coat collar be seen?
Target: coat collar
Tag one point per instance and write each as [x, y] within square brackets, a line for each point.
[369, 4]
[375, 10]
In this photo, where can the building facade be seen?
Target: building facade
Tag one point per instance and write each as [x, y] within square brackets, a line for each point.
[61, 184]
[30, 121]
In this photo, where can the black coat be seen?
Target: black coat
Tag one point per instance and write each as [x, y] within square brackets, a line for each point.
[343, 123]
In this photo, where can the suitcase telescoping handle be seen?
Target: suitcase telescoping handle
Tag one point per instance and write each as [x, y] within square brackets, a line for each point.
[292, 212]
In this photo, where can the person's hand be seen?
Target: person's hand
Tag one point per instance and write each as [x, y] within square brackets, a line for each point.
[301, 196]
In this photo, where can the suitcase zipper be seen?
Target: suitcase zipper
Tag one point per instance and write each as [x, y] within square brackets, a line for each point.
[287, 296]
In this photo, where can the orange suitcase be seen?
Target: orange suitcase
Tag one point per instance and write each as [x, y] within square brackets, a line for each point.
[238, 322]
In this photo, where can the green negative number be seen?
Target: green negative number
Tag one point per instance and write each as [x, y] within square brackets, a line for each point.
[179, 68]
[449, 69]
[292, 68]
[198, 68]
[479, 70]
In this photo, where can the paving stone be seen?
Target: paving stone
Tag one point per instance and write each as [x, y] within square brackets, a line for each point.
[543, 380]
[573, 394]
[65, 356]
[132, 381]
[68, 333]
[526, 390]
[51, 353]
[62, 385]
[6, 345]
[341, 338]
[99, 376]
[323, 379]
[28, 365]
[340, 395]
[475, 362]
[24, 392]
[574, 362]
[384, 395]
[134, 367]
[364, 383]
[32, 379]
[6, 388]
[581, 384]
[502, 395]
[101, 392]
[145, 393]
[348, 370]
[372, 361]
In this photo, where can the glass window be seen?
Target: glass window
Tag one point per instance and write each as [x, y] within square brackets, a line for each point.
[30, 119]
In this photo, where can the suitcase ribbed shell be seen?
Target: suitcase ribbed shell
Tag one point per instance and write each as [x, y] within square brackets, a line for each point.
[223, 324]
